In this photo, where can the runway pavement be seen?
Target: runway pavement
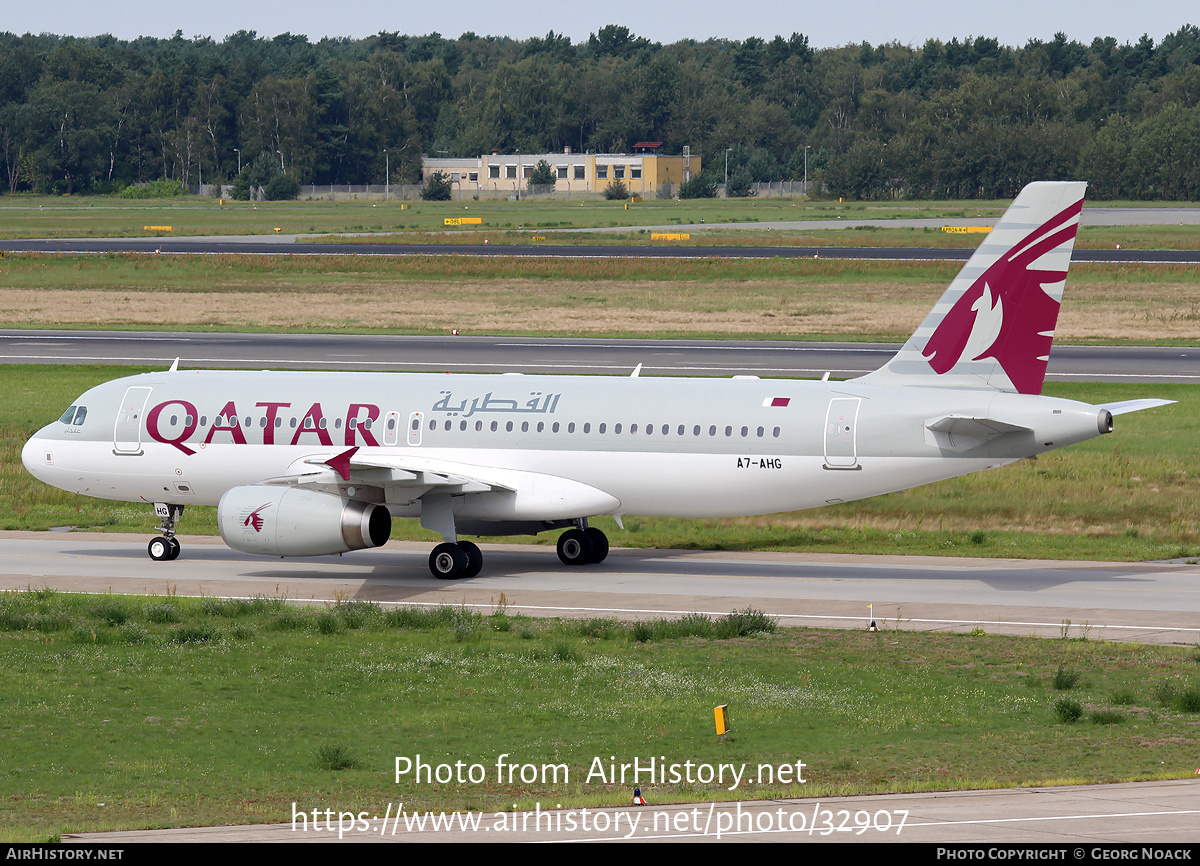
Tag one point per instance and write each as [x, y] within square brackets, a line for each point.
[775, 358]
[1070, 823]
[1145, 602]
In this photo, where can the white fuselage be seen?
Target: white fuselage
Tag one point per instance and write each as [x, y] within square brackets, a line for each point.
[651, 446]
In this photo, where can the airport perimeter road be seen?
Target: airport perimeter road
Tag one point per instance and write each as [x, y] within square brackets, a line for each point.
[296, 245]
[545, 355]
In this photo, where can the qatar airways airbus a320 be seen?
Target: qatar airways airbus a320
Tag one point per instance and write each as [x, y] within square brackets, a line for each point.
[313, 463]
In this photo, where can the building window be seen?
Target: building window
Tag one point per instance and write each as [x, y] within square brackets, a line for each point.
[494, 172]
[473, 177]
[580, 172]
[602, 172]
[562, 172]
[635, 172]
[619, 172]
[510, 172]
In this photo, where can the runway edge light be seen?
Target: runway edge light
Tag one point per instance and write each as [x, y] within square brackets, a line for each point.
[721, 714]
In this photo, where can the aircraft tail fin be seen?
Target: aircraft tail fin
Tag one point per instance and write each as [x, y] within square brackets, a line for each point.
[994, 325]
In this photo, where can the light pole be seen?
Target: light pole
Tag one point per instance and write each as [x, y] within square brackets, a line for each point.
[387, 176]
[727, 167]
[806, 169]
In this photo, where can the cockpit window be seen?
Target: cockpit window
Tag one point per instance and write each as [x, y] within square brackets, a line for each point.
[74, 416]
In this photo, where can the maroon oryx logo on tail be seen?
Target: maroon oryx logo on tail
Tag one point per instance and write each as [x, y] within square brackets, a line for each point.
[1006, 314]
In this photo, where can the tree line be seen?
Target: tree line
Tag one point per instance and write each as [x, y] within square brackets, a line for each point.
[957, 119]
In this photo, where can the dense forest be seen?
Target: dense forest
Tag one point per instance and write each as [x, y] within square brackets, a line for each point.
[947, 119]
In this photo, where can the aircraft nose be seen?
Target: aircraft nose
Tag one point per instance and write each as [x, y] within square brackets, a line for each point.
[37, 454]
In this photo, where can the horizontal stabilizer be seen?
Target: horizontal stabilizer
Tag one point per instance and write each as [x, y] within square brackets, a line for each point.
[1135, 405]
[961, 432]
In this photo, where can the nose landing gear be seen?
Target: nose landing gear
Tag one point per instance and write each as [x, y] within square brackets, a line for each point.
[166, 547]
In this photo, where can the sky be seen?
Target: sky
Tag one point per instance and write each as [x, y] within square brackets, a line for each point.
[828, 24]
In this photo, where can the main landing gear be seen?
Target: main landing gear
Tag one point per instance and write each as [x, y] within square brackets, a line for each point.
[166, 547]
[452, 560]
[580, 545]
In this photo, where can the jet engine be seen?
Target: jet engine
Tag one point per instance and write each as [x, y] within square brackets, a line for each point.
[292, 521]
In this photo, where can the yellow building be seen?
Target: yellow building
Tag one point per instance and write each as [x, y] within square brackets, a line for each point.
[497, 173]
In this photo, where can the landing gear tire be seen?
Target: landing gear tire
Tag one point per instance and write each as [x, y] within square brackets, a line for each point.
[575, 547]
[474, 558]
[163, 549]
[175, 548]
[449, 561]
[599, 544]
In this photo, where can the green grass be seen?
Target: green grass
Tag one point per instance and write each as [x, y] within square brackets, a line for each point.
[1130, 495]
[517, 222]
[100, 216]
[128, 725]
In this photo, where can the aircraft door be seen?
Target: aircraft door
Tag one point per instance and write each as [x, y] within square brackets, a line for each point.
[127, 433]
[841, 443]
[391, 428]
[414, 428]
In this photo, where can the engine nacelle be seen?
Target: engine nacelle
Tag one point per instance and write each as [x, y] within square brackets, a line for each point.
[292, 521]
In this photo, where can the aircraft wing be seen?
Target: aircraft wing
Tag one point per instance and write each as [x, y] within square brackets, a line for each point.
[512, 494]
[417, 472]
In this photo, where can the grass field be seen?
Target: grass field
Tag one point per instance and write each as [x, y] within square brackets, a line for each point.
[98, 216]
[770, 298]
[1131, 495]
[158, 712]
